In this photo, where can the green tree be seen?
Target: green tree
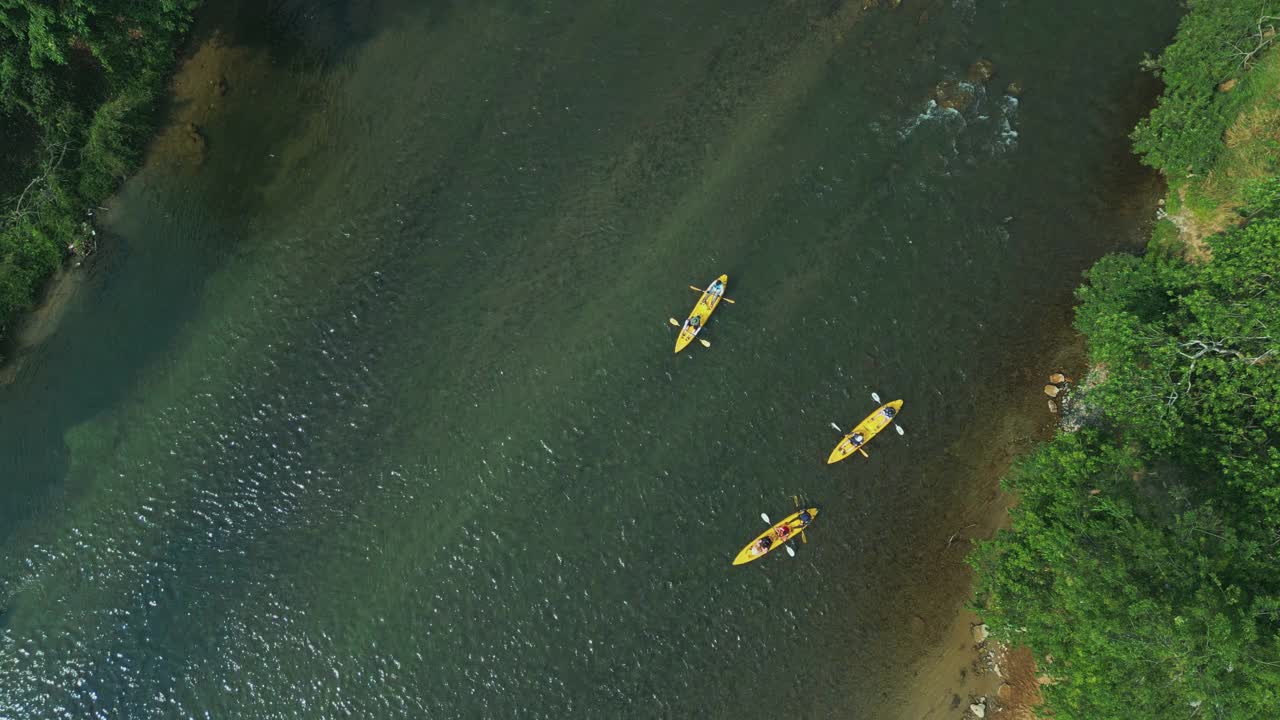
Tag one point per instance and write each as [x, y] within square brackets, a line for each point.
[1184, 132]
[77, 81]
[1149, 603]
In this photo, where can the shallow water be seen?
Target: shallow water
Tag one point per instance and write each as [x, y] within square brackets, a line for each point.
[375, 414]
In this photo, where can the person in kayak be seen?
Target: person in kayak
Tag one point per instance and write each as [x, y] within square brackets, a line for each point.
[805, 518]
[889, 412]
[854, 441]
[784, 531]
[713, 292]
[695, 321]
[763, 546]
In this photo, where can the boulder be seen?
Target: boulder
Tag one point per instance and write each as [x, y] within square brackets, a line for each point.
[1051, 390]
[979, 710]
[980, 633]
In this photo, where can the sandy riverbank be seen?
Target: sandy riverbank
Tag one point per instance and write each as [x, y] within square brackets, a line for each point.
[40, 323]
[197, 92]
[962, 668]
[965, 674]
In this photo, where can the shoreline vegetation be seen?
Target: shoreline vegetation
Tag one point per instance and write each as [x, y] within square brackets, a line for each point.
[1140, 561]
[79, 84]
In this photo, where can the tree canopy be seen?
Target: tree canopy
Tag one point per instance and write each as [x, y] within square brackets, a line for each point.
[1142, 556]
[77, 78]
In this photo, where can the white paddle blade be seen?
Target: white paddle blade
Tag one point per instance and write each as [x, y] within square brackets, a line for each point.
[899, 429]
[837, 427]
[705, 343]
[875, 397]
[765, 518]
[791, 552]
[673, 321]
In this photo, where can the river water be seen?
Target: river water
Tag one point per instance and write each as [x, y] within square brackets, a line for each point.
[375, 414]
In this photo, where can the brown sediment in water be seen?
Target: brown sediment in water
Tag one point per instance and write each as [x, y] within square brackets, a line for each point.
[200, 85]
[950, 670]
[957, 668]
[40, 323]
[201, 88]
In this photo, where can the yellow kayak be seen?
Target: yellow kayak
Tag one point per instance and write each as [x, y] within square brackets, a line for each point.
[702, 311]
[869, 428]
[789, 528]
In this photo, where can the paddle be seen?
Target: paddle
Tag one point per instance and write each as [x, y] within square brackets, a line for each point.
[864, 452]
[676, 323]
[698, 289]
[765, 518]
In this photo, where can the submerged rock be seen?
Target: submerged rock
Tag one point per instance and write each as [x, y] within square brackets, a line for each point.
[981, 70]
[1013, 89]
[953, 95]
[196, 145]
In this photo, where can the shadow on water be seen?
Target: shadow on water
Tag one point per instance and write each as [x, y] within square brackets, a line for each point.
[305, 31]
[145, 279]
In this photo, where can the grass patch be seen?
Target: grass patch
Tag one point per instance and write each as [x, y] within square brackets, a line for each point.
[1250, 150]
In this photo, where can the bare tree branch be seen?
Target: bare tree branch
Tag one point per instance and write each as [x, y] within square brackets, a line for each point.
[1262, 37]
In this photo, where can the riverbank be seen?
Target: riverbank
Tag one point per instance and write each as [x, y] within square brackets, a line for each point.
[195, 95]
[967, 672]
[1140, 563]
[77, 108]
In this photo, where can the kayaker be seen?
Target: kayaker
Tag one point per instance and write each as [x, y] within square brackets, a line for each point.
[784, 531]
[857, 439]
[889, 412]
[805, 518]
[695, 321]
[763, 546]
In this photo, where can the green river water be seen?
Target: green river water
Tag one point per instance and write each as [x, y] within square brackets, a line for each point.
[375, 414]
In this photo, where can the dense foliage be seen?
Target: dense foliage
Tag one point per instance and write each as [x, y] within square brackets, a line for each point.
[77, 78]
[1216, 43]
[1142, 564]
[1143, 554]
